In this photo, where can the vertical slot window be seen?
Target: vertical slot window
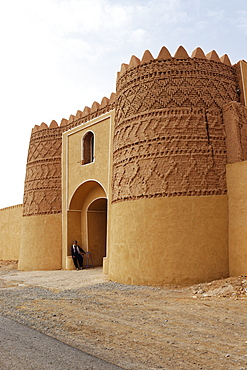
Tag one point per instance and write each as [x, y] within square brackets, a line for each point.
[88, 148]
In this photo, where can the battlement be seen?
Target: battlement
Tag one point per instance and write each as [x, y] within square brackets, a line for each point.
[96, 110]
[181, 53]
[12, 207]
[108, 104]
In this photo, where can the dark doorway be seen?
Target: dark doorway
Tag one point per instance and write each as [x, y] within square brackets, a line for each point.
[96, 227]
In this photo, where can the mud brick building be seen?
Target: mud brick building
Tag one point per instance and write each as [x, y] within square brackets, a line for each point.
[152, 181]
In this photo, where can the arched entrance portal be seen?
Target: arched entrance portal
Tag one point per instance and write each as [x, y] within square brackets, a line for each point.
[96, 228]
[87, 220]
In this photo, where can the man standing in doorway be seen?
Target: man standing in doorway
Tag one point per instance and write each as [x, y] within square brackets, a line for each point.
[77, 254]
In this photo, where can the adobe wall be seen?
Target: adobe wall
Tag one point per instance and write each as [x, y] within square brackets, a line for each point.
[41, 240]
[235, 121]
[237, 208]
[169, 142]
[10, 232]
[241, 72]
[172, 240]
[235, 118]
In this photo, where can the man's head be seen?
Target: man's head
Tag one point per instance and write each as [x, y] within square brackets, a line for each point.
[75, 242]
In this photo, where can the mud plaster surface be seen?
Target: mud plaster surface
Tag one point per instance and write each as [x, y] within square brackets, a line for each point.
[197, 327]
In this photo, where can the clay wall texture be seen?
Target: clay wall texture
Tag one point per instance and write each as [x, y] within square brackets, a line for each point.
[241, 73]
[235, 120]
[43, 173]
[10, 232]
[40, 245]
[237, 217]
[169, 240]
[169, 136]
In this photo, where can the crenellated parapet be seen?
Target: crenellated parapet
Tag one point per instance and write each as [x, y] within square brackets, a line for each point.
[97, 109]
[169, 135]
[180, 74]
[42, 193]
[164, 54]
[12, 207]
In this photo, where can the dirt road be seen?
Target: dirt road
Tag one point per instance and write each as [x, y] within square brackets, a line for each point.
[198, 327]
[22, 347]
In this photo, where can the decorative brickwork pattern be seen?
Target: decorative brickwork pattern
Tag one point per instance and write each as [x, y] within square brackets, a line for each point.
[240, 79]
[42, 193]
[169, 136]
[43, 173]
[235, 120]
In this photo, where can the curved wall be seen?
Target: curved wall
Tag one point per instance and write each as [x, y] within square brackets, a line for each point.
[169, 142]
[172, 240]
[40, 247]
[42, 193]
[169, 134]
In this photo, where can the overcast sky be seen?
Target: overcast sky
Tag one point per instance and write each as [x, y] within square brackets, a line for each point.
[58, 56]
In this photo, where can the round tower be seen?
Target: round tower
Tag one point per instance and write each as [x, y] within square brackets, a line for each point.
[42, 223]
[169, 206]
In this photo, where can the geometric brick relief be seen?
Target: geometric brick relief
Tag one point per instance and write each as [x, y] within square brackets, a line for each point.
[42, 201]
[235, 121]
[169, 138]
[172, 84]
[42, 193]
[184, 160]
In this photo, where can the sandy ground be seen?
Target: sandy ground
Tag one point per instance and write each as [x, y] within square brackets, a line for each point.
[172, 327]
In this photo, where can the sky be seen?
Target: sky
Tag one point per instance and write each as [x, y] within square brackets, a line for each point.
[58, 56]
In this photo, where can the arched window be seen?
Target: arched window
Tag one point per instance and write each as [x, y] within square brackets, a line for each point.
[88, 148]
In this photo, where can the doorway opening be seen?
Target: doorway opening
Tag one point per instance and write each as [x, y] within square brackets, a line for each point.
[96, 230]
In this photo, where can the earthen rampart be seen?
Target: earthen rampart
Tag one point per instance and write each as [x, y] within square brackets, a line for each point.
[10, 232]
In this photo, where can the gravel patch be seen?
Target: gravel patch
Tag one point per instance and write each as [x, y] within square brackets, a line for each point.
[134, 327]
